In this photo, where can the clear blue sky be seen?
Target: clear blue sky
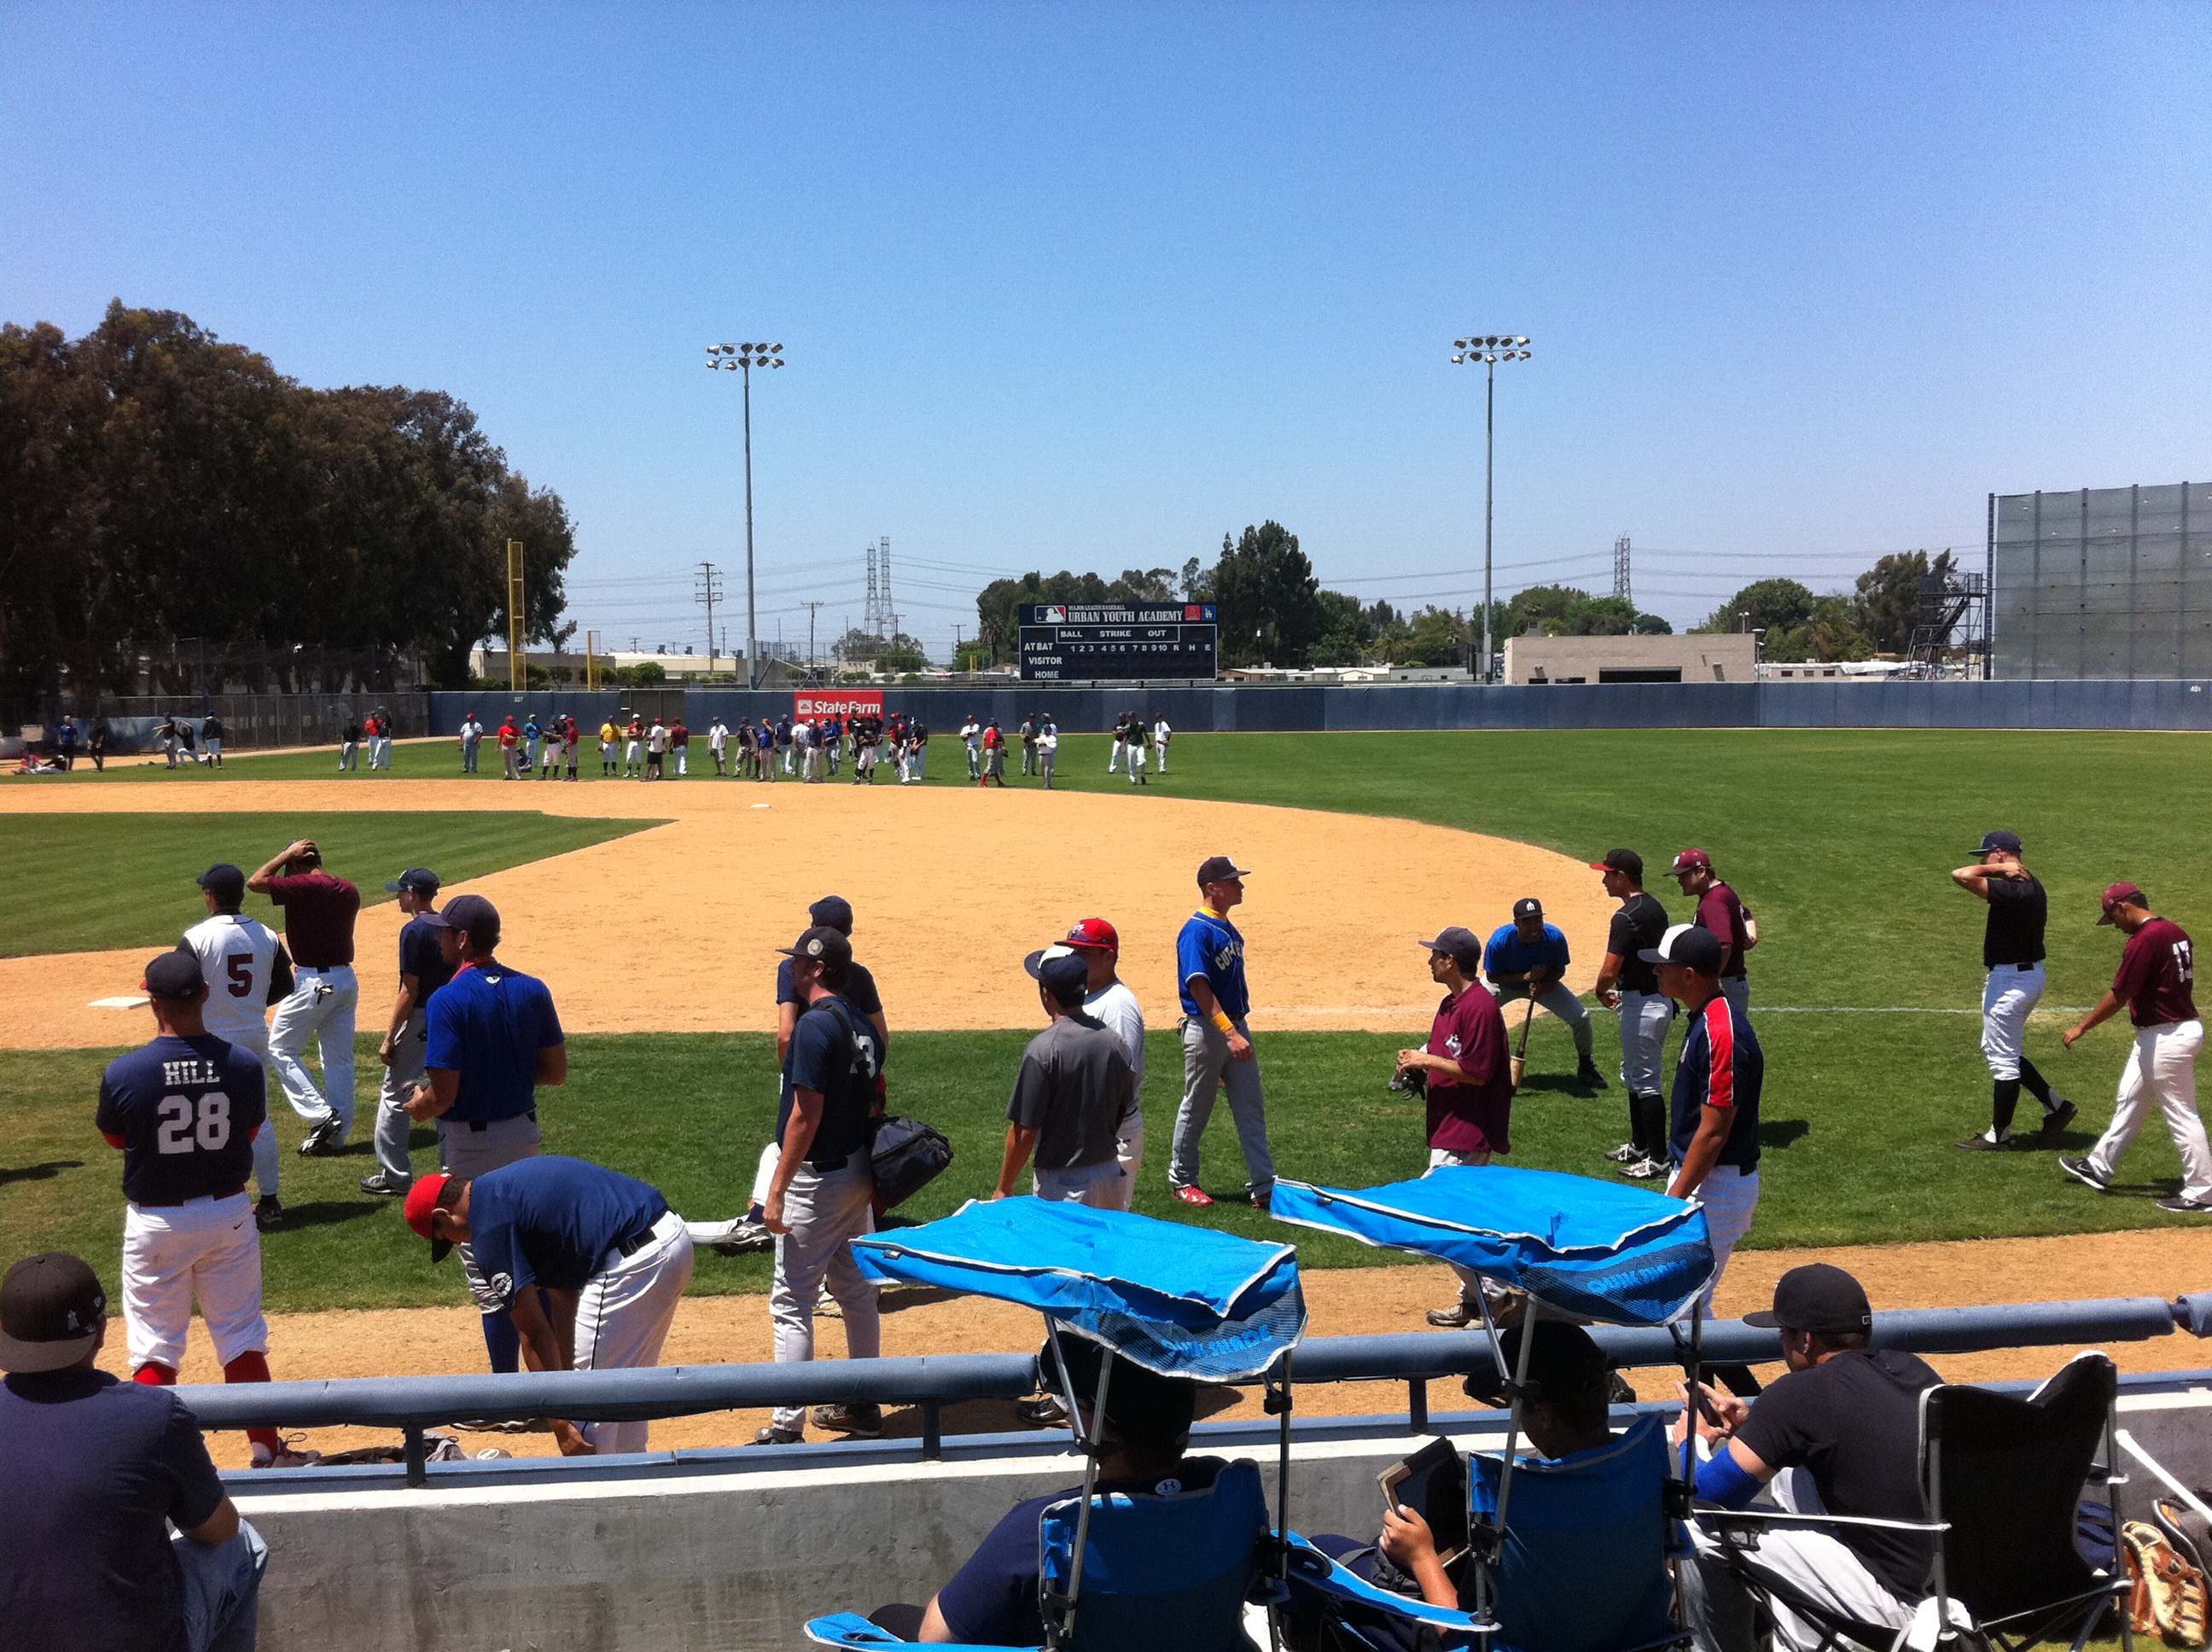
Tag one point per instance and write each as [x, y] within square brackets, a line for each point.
[1086, 285]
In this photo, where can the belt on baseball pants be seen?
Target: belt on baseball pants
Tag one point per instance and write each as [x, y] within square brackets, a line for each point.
[179, 1203]
[629, 1244]
[482, 1125]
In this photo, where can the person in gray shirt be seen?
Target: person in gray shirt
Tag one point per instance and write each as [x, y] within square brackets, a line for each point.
[1074, 1087]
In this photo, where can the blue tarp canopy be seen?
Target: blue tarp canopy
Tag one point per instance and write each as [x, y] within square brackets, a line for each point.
[1180, 1301]
[1592, 1249]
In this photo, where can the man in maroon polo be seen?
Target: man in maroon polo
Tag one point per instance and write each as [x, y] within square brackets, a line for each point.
[319, 917]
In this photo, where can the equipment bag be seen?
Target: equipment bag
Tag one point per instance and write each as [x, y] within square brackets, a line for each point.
[907, 1156]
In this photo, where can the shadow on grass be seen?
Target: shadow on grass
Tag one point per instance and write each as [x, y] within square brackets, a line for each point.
[46, 1172]
[1557, 1083]
[324, 1212]
[1780, 1133]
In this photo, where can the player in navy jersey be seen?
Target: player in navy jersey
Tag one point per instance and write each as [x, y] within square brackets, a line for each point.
[184, 1111]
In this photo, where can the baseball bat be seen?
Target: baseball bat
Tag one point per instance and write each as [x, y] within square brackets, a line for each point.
[1521, 1050]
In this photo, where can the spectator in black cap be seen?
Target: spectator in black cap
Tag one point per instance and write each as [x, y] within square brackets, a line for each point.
[1469, 1081]
[1529, 958]
[822, 1196]
[422, 971]
[2012, 956]
[1074, 1090]
[1839, 1434]
[96, 1472]
[1626, 982]
[1217, 1042]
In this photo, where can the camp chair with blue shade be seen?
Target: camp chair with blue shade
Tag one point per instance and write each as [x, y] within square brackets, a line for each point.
[1169, 1574]
[1582, 1250]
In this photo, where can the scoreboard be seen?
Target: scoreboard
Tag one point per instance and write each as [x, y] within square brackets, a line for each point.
[1076, 642]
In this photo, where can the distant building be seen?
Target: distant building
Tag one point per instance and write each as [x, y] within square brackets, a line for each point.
[1719, 657]
[567, 670]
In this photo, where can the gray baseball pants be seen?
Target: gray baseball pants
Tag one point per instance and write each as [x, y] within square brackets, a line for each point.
[1205, 1069]
[825, 1211]
[408, 1051]
[1561, 1003]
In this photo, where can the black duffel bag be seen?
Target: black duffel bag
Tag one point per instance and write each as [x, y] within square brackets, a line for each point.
[905, 1157]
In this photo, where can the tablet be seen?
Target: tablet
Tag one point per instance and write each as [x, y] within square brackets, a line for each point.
[1432, 1483]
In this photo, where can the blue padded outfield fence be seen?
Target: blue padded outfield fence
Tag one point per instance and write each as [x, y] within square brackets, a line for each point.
[415, 1404]
[1356, 709]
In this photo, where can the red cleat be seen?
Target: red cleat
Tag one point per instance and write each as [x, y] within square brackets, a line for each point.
[1195, 1195]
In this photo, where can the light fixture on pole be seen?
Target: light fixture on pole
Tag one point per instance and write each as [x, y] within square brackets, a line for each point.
[743, 359]
[1489, 351]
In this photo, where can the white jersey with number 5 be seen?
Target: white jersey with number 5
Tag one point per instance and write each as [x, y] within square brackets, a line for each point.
[237, 955]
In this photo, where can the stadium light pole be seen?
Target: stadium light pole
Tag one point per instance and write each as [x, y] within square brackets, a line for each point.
[1490, 351]
[743, 359]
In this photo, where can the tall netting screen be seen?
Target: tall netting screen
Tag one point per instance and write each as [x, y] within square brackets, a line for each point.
[2103, 582]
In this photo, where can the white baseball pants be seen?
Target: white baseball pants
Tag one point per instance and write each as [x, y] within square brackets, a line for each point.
[1470, 1282]
[1810, 1560]
[2009, 996]
[1099, 1185]
[825, 1211]
[1129, 1152]
[206, 1250]
[255, 1037]
[622, 1316]
[1645, 1018]
[2161, 1072]
[1114, 756]
[1136, 762]
[1730, 1199]
[321, 1007]
[409, 1051]
[1162, 764]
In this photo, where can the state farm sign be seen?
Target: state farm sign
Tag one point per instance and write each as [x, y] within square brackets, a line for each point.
[810, 703]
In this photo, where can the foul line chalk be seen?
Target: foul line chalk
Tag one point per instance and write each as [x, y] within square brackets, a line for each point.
[117, 1002]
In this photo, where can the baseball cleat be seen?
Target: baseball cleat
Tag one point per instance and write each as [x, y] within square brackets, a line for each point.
[779, 1437]
[2180, 1206]
[1195, 1196]
[1590, 1076]
[1046, 1411]
[1457, 1317]
[1627, 1153]
[269, 1213]
[324, 1139]
[2085, 1173]
[1263, 1199]
[384, 1183]
[2055, 1120]
[743, 1236]
[1644, 1170]
[1979, 1142]
[864, 1420]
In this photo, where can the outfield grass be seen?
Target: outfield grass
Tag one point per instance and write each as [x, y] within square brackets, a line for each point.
[88, 882]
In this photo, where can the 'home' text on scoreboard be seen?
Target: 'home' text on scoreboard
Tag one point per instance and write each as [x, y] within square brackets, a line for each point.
[1076, 642]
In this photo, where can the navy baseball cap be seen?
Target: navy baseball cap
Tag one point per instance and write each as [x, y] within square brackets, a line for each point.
[832, 912]
[2008, 841]
[1625, 861]
[1818, 1296]
[1067, 978]
[52, 1309]
[1528, 907]
[419, 880]
[175, 977]
[1460, 942]
[227, 881]
[1218, 867]
[471, 914]
[821, 943]
[1688, 945]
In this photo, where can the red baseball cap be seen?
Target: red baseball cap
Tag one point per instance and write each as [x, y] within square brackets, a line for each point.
[1094, 931]
[2117, 893]
[1690, 860]
[432, 1192]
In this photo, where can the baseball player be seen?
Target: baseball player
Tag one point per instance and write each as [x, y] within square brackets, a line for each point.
[833, 743]
[971, 736]
[422, 971]
[349, 747]
[679, 742]
[556, 747]
[2013, 954]
[1217, 1044]
[917, 746]
[2156, 981]
[995, 756]
[248, 970]
[1626, 982]
[319, 917]
[184, 1111]
[165, 735]
[1114, 745]
[1028, 732]
[494, 1039]
[1139, 745]
[1107, 998]
[764, 745]
[1719, 910]
[1047, 752]
[866, 730]
[822, 1196]
[472, 734]
[210, 741]
[783, 743]
[656, 751]
[575, 745]
[1161, 735]
[533, 738]
[510, 740]
[1529, 958]
[634, 749]
[718, 744]
[609, 739]
[1074, 1087]
[590, 1263]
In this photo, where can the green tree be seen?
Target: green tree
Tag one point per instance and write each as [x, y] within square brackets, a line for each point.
[1436, 636]
[1269, 599]
[1767, 605]
[1888, 605]
[900, 658]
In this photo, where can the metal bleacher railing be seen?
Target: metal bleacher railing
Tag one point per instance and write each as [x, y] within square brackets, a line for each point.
[414, 1404]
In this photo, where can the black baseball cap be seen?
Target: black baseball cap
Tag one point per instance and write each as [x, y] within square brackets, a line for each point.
[832, 912]
[1067, 978]
[1818, 1296]
[52, 1309]
[2008, 841]
[175, 977]
[821, 943]
[1145, 1408]
[225, 881]
[471, 914]
[1690, 946]
[1216, 867]
[1461, 943]
[1625, 861]
[418, 880]
[1528, 907]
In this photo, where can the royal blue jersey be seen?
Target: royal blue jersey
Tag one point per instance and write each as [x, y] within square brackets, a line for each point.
[1720, 1066]
[186, 1110]
[1209, 948]
[488, 1024]
[553, 1221]
[1508, 955]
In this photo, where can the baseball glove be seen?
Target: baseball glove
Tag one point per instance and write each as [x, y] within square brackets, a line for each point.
[2168, 1599]
[1411, 1081]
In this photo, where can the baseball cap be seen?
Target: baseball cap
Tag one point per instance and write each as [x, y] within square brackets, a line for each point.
[1625, 861]
[2117, 893]
[225, 881]
[1143, 1407]
[441, 1192]
[419, 880]
[1095, 932]
[1566, 1358]
[1216, 867]
[1528, 907]
[832, 912]
[1818, 1296]
[1045, 955]
[52, 1309]
[821, 943]
[1688, 945]
[471, 914]
[2008, 841]
[1065, 977]
[1690, 860]
[174, 977]
[1460, 942]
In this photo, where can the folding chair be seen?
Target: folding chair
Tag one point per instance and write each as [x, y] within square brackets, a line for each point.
[2002, 1479]
[1581, 1565]
[1159, 1574]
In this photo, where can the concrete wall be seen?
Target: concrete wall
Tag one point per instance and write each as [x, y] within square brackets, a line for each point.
[1721, 658]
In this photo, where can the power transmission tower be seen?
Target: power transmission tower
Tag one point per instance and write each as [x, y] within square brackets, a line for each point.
[811, 608]
[884, 570]
[709, 594]
[1621, 570]
[871, 613]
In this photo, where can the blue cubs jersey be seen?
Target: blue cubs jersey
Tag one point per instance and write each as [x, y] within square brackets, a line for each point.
[186, 1110]
[1210, 947]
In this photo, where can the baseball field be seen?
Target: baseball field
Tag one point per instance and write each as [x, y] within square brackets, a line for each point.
[653, 911]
